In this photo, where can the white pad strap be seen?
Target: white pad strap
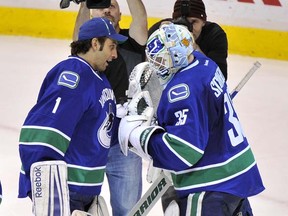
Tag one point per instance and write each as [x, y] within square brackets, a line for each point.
[50, 194]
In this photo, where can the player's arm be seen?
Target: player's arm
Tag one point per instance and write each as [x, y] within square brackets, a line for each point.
[83, 16]
[181, 140]
[138, 28]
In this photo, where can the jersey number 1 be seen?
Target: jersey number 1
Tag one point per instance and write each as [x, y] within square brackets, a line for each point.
[58, 100]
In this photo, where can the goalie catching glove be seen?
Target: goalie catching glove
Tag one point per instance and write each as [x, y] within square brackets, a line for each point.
[140, 112]
[138, 99]
[138, 79]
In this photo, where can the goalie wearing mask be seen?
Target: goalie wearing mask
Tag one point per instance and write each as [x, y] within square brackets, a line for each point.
[198, 138]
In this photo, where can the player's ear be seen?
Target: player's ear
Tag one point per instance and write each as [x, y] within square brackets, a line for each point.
[95, 43]
[120, 16]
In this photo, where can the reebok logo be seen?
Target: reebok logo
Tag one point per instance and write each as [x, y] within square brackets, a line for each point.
[37, 182]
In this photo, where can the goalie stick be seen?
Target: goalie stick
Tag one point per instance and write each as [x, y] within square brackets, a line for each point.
[162, 183]
[245, 79]
[152, 195]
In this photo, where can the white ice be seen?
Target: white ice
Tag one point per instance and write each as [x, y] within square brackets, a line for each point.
[262, 106]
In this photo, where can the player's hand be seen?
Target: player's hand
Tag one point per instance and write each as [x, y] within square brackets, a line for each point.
[121, 110]
[126, 126]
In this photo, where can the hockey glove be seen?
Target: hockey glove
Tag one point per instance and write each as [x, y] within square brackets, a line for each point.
[126, 126]
[138, 79]
[139, 139]
[139, 103]
[121, 110]
[140, 112]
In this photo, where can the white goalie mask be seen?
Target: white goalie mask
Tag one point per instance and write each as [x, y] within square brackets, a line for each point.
[168, 49]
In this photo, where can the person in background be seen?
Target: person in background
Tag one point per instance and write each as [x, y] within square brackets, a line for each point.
[199, 138]
[210, 38]
[69, 129]
[124, 174]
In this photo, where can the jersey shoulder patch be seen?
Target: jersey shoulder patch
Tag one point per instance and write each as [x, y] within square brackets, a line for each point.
[69, 79]
[178, 92]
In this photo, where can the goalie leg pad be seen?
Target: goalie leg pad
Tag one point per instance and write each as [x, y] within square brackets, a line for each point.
[80, 213]
[50, 194]
[97, 208]
[172, 209]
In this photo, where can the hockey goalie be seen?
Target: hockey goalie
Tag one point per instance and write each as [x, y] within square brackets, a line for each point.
[198, 138]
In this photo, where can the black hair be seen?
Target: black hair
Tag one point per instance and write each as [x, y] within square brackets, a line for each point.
[83, 46]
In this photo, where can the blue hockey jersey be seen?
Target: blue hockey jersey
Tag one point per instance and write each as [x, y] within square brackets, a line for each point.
[71, 121]
[203, 144]
[0, 192]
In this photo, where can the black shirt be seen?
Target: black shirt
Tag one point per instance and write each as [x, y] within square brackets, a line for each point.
[130, 53]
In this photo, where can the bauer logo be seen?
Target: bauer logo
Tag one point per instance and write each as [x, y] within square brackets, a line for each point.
[37, 182]
[69, 79]
[178, 92]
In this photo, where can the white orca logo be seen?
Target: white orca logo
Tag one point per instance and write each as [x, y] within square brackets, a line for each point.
[104, 132]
